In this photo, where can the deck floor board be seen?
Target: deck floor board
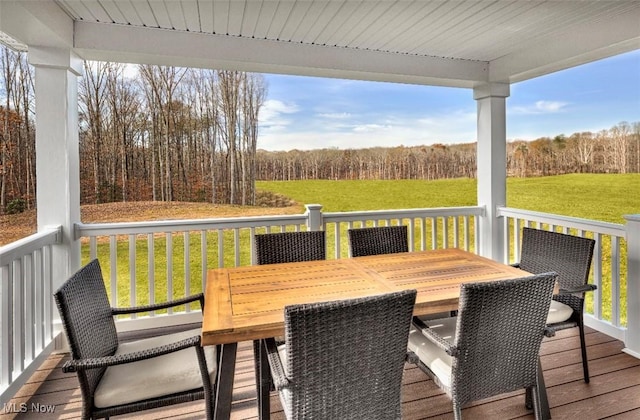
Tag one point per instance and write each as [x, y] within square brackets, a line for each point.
[614, 391]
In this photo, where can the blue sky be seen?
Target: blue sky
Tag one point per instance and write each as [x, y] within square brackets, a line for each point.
[309, 113]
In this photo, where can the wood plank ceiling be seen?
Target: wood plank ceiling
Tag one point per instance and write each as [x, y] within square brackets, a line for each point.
[469, 30]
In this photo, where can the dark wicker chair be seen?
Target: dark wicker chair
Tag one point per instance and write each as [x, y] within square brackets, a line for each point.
[569, 256]
[378, 240]
[122, 377]
[492, 346]
[343, 359]
[274, 248]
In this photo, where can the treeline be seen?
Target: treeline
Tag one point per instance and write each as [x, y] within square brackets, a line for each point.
[191, 135]
[170, 134]
[616, 150]
[420, 162]
[167, 134]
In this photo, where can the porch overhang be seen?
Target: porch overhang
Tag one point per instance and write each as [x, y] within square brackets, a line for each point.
[445, 43]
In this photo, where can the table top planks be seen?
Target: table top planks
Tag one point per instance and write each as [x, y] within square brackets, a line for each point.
[436, 275]
[247, 303]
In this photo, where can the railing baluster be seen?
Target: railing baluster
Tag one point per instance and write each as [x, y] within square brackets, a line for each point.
[132, 273]
[6, 324]
[252, 245]
[169, 240]
[411, 229]
[47, 273]
[203, 257]
[151, 270]
[39, 297]
[516, 240]
[28, 331]
[187, 268]
[456, 229]
[445, 232]
[336, 232]
[615, 281]
[466, 232]
[93, 248]
[597, 275]
[236, 243]
[220, 248]
[434, 233]
[18, 317]
[113, 252]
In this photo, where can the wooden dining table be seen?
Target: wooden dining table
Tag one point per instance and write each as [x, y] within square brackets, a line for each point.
[247, 303]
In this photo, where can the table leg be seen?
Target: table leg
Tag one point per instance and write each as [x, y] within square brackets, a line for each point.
[263, 379]
[545, 412]
[226, 372]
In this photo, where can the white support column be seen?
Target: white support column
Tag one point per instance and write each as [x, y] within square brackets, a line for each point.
[492, 165]
[632, 335]
[57, 151]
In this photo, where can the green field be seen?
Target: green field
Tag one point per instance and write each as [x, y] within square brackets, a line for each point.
[605, 197]
[599, 197]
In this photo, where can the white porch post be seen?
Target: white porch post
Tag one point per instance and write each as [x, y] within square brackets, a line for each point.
[57, 151]
[492, 165]
[632, 335]
[314, 216]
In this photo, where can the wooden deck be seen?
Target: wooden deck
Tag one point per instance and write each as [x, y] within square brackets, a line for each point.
[614, 391]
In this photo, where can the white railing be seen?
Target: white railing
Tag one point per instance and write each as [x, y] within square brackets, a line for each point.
[606, 309]
[26, 313]
[435, 228]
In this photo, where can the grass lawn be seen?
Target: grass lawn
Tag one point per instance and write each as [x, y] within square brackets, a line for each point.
[605, 197]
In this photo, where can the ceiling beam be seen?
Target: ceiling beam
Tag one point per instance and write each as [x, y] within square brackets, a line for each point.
[122, 43]
[39, 23]
[579, 45]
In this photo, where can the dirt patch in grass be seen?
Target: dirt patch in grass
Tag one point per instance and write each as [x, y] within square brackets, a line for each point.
[17, 226]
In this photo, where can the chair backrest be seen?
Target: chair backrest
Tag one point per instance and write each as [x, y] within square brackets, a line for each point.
[274, 248]
[87, 320]
[570, 256]
[378, 240]
[345, 359]
[499, 330]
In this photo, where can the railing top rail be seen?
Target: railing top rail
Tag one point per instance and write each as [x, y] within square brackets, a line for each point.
[15, 250]
[595, 226]
[330, 217]
[159, 226]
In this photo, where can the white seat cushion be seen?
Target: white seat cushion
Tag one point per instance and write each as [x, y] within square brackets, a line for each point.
[558, 312]
[163, 375]
[432, 356]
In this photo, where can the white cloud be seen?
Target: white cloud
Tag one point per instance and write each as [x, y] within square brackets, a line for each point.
[540, 107]
[272, 114]
[369, 128]
[353, 133]
[335, 115]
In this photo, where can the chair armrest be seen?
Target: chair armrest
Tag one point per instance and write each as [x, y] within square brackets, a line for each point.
[99, 362]
[157, 306]
[578, 289]
[280, 380]
[435, 338]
